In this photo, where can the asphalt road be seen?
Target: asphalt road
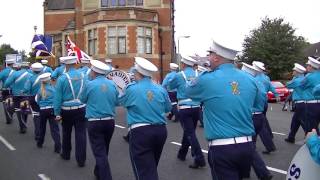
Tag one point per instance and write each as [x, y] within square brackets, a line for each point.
[25, 161]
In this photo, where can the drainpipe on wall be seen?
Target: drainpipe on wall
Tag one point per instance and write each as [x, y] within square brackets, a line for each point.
[161, 59]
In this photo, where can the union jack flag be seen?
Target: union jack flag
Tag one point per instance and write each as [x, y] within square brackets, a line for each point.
[74, 50]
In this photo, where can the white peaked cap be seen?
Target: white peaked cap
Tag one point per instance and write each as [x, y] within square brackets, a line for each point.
[299, 68]
[69, 59]
[44, 61]
[45, 77]
[99, 67]
[16, 65]
[36, 66]
[173, 66]
[313, 62]
[25, 64]
[249, 69]
[85, 61]
[10, 61]
[144, 66]
[108, 60]
[259, 65]
[188, 60]
[222, 51]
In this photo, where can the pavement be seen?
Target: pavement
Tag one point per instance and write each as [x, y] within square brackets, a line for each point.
[21, 159]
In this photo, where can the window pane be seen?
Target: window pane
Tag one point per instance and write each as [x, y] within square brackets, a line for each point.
[91, 47]
[140, 31]
[112, 46]
[122, 45]
[122, 31]
[139, 2]
[148, 45]
[113, 2]
[122, 2]
[131, 2]
[112, 31]
[104, 3]
[148, 32]
[140, 45]
[90, 34]
[95, 33]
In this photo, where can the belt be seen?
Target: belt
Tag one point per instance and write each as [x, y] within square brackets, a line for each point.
[184, 100]
[46, 107]
[187, 106]
[299, 101]
[174, 103]
[312, 101]
[72, 107]
[133, 126]
[236, 140]
[257, 112]
[3, 89]
[98, 119]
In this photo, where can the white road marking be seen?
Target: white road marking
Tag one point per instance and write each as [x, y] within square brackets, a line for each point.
[5, 142]
[270, 168]
[120, 126]
[282, 134]
[43, 177]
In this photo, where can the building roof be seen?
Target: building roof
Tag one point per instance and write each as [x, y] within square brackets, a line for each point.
[60, 4]
[313, 50]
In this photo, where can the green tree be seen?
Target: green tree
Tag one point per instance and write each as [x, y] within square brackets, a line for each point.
[275, 44]
[6, 49]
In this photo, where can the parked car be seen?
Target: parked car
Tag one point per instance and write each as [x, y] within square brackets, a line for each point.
[281, 89]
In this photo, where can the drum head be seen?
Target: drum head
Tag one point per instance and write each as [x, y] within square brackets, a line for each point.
[120, 78]
[303, 167]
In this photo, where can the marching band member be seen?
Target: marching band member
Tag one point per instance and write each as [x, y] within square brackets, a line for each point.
[258, 119]
[46, 68]
[101, 97]
[228, 96]
[85, 70]
[189, 114]
[265, 134]
[33, 86]
[311, 80]
[44, 99]
[172, 93]
[20, 97]
[59, 70]
[6, 92]
[298, 100]
[108, 61]
[146, 103]
[313, 143]
[69, 109]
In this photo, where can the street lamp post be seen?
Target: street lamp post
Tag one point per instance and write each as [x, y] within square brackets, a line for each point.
[179, 56]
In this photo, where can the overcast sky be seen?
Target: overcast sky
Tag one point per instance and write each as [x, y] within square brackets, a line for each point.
[225, 21]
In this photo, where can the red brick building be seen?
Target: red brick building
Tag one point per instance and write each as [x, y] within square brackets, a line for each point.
[117, 29]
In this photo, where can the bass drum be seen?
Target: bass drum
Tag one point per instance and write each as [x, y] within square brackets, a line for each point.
[303, 167]
[120, 78]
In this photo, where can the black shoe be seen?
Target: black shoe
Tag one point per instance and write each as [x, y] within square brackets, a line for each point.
[39, 145]
[57, 150]
[126, 138]
[181, 158]
[81, 164]
[268, 151]
[268, 177]
[290, 140]
[197, 165]
[64, 157]
[23, 131]
[9, 122]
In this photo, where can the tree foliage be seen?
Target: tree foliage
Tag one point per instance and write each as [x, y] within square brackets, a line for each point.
[6, 49]
[275, 44]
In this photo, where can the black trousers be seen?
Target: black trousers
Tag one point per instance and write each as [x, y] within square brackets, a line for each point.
[100, 134]
[22, 110]
[298, 120]
[8, 105]
[312, 116]
[230, 162]
[74, 118]
[145, 146]
[36, 117]
[45, 116]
